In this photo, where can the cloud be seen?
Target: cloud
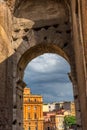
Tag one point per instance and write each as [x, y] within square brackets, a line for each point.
[48, 63]
[57, 91]
[56, 94]
[47, 75]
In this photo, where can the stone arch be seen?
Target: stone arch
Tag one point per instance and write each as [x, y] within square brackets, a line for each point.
[33, 36]
[33, 25]
[69, 34]
[52, 29]
[38, 50]
[25, 55]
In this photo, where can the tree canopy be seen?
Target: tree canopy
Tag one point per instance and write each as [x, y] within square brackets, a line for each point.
[69, 120]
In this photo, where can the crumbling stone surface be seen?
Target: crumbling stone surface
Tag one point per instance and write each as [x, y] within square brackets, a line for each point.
[28, 29]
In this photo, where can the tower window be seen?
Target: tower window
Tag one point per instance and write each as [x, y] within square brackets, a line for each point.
[35, 107]
[28, 107]
[35, 116]
[28, 115]
[35, 100]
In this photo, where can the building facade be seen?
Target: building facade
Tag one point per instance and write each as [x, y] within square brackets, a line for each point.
[54, 120]
[73, 112]
[32, 111]
[49, 120]
[48, 107]
[59, 119]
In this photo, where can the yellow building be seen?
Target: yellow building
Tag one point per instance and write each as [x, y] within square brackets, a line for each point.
[73, 113]
[32, 111]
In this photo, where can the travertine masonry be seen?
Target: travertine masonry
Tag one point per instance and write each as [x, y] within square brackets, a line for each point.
[30, 28]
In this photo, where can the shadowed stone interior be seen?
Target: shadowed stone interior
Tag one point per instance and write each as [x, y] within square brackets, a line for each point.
[29, 28]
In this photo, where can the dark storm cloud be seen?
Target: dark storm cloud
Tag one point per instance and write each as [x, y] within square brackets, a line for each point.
[36, 77]
[48, 75]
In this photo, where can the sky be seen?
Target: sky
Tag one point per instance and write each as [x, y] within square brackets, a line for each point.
[47, 75]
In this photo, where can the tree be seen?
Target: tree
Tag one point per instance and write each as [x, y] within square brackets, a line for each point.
[69, 121]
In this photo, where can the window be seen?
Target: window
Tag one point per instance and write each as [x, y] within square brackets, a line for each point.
[35, 116]
[29, 128]
[35, 107]
[35, 100]
[48, 128]
[35, 128]
[28, 107]
[28, 115]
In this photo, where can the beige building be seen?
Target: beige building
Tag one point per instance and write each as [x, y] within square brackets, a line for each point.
[73, 112]
[55, 119]
[45, 108]
[56, 122]
[49, 120]
[49, 107]
[32, 111]
[59, 122]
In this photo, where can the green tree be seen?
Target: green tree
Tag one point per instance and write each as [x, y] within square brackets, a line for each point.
[69, 121]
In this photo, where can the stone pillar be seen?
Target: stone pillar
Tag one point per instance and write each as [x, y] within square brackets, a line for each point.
[79, 63]
[84, 25]
[76, 100]
[18, 107]
[6, 69]
[6, 94]
[77, 106]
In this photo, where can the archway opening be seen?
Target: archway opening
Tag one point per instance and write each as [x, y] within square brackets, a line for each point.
[48, 75]
[37, 50]
[49, 71]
